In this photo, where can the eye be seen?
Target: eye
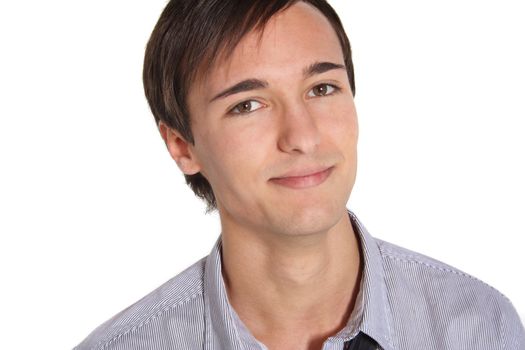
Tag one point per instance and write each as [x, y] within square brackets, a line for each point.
[322, 90]
[246, 107]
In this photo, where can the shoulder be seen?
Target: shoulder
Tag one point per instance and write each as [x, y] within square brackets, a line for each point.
[440, 299]
[404, 261]
[177, 304]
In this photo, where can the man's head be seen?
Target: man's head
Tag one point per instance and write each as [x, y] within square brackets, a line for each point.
[194, 37]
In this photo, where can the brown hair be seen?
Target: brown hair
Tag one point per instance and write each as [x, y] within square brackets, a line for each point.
[185, 43]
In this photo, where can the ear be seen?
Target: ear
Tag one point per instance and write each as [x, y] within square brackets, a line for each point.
[180, 150]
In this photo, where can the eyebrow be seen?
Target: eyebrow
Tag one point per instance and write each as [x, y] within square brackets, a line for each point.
[245, 85]
[321, 67]
[255, 84]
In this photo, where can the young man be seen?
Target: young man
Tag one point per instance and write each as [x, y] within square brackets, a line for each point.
[254, 100]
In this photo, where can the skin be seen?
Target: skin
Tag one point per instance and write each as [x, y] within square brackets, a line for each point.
[291, 261]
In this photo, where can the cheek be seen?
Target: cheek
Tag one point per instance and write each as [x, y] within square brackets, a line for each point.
[340, 124]
[235, 156]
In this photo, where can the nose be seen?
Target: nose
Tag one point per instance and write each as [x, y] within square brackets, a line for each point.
[299, 132]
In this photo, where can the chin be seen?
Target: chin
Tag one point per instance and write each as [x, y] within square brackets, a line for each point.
[310, 219]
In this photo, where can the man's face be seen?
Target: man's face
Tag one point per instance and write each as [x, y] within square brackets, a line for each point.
[279, 149]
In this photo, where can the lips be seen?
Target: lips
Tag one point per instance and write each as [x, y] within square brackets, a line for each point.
[303, 178]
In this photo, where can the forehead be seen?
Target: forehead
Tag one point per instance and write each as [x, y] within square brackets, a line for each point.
[291, 40]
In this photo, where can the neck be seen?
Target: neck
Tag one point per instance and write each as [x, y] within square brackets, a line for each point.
[282, 285]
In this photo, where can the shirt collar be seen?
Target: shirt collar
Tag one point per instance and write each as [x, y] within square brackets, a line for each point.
[223, 328]
[371, 314]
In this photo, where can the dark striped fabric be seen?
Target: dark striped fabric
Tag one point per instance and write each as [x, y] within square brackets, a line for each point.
[407, 301]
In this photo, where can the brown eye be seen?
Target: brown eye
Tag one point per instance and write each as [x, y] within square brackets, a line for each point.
[246, 107]
[322, 90]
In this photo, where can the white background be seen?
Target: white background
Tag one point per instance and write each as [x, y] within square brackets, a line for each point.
[94, 213]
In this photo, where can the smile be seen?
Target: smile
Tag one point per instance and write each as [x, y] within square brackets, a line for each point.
[303, 181]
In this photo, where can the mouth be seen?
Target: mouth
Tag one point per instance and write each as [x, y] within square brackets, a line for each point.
[309, 179]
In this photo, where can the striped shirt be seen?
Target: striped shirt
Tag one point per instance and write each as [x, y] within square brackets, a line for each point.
[406, 301]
